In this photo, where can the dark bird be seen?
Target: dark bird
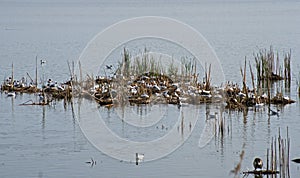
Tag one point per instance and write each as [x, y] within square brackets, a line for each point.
[273, 113]
[297, 160]
[92, 162]
[109, 67]
[257, 163]
[43, 62]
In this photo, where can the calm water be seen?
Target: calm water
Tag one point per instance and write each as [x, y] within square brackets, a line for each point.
[47, 141]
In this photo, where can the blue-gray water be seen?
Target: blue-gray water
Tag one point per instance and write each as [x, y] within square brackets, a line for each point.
[46, 141]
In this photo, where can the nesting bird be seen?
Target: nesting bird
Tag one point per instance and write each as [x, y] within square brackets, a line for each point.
[41, 98]
[257, 163]
[144, 95]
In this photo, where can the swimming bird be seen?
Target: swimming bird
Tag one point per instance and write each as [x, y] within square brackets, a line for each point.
[257, 163]
[297, 160]
[43, 62]
[92, 162]
[179, 104]
[273, 113]
[109, 67]
[139, 157]
[11, 94]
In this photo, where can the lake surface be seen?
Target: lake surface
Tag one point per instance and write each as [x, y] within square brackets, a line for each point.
[47, 141]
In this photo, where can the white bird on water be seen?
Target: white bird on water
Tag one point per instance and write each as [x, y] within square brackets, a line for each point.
[139, 157]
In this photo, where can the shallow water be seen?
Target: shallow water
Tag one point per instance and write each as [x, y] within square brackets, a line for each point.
[47, 141]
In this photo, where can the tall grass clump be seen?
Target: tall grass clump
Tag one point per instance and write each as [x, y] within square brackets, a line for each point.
[184, 71]
[268, 65]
